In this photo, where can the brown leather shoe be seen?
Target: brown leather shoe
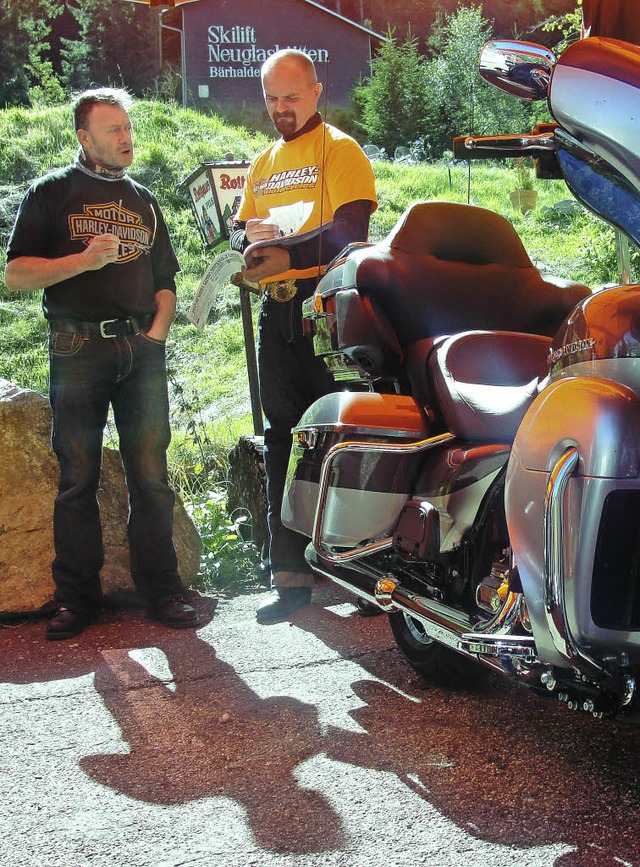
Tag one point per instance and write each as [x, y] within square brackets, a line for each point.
[67, 624]
[174, 612]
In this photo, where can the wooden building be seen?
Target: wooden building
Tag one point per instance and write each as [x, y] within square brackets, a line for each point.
[220, 47]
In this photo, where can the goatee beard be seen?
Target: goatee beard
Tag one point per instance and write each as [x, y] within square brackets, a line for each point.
[285, 123]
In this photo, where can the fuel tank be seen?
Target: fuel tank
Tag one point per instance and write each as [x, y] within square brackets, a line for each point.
[601, 337]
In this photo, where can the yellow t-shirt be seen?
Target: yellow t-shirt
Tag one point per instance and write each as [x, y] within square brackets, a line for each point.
[324, 168]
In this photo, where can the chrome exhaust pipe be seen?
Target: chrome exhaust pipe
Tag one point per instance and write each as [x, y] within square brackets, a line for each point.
[444, 624]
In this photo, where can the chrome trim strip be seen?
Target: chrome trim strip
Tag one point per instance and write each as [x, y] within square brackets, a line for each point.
[355, 430]
[538, 141]
[512, 646]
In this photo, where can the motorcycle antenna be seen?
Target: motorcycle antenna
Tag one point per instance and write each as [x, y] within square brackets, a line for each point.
[472, 125]
[322, 157]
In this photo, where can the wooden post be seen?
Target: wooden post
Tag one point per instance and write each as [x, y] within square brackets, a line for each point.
[252, 364]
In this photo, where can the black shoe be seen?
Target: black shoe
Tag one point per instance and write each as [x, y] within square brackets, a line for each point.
[281, 603]
[173, 611]
[67, 624]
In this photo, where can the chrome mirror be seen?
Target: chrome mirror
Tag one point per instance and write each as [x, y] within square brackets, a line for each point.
[520, 68]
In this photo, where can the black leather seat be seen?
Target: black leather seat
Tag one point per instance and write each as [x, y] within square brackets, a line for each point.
[483, 382]
[448, 267]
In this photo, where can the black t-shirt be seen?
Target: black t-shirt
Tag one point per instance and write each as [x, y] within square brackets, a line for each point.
[59, 215]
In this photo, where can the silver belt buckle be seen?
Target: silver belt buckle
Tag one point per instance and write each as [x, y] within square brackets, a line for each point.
[106, 322]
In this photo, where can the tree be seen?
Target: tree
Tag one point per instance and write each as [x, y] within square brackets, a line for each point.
[509, 18]
[25, 27]
[569, 25]
[115, 45]
[394, 100]
[464, 102]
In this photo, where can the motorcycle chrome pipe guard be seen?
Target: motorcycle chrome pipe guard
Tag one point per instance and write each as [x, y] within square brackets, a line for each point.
[554, 571]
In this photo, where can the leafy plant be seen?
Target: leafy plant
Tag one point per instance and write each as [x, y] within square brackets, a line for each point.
[228, 562]
[107, 49]
[464, 102]
[394, 101]
[568, 24]
[25, 28]
[523, 174]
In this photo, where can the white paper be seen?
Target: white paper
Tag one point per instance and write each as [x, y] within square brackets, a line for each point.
[289, 219]
[216, 277]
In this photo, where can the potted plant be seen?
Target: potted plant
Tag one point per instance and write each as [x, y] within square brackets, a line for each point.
[524, 197]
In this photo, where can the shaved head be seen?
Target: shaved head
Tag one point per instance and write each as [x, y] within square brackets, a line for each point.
[291, 58]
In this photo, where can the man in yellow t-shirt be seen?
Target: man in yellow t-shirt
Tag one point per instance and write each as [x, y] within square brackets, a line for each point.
[325, 178]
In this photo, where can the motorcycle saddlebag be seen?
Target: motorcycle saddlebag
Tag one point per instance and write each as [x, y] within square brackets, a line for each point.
[367, 487]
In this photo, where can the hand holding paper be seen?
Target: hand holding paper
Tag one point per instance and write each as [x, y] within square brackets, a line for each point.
[258, 229]
[289, 219]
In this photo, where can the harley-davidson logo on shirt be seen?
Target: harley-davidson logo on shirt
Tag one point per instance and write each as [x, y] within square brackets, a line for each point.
[295, 179]
[135, 237]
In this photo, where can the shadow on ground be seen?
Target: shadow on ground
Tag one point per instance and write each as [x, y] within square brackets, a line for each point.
[503, 764]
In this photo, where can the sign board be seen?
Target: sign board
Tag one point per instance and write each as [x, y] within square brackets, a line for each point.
[226, 43]
[215, 189]
[228, 183]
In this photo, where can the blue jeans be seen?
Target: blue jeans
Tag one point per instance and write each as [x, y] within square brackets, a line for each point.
[291, 379]
[87, 373]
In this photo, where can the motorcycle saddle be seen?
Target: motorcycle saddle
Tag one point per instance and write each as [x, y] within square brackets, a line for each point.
[483, 382]
[448, 267]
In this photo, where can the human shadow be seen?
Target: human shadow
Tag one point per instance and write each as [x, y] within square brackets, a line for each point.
[505, 764]
[192, 727]
[207, 734]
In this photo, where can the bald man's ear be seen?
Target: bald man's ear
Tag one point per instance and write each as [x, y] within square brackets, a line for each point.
[319, 88]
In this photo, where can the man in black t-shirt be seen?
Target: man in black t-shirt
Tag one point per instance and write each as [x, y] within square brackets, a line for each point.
[95, 241]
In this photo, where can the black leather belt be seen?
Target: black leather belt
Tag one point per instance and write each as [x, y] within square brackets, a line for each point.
[106, 328]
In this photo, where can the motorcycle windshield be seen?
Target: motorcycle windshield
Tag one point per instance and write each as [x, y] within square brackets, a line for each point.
[595, 98]
[599, 186]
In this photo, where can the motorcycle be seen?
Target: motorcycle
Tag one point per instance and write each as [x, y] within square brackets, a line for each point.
[479, 477]
[419, 151]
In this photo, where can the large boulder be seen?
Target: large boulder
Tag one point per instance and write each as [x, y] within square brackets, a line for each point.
[28, 486]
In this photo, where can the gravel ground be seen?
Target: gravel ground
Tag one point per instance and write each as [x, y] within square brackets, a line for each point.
[306, 743]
